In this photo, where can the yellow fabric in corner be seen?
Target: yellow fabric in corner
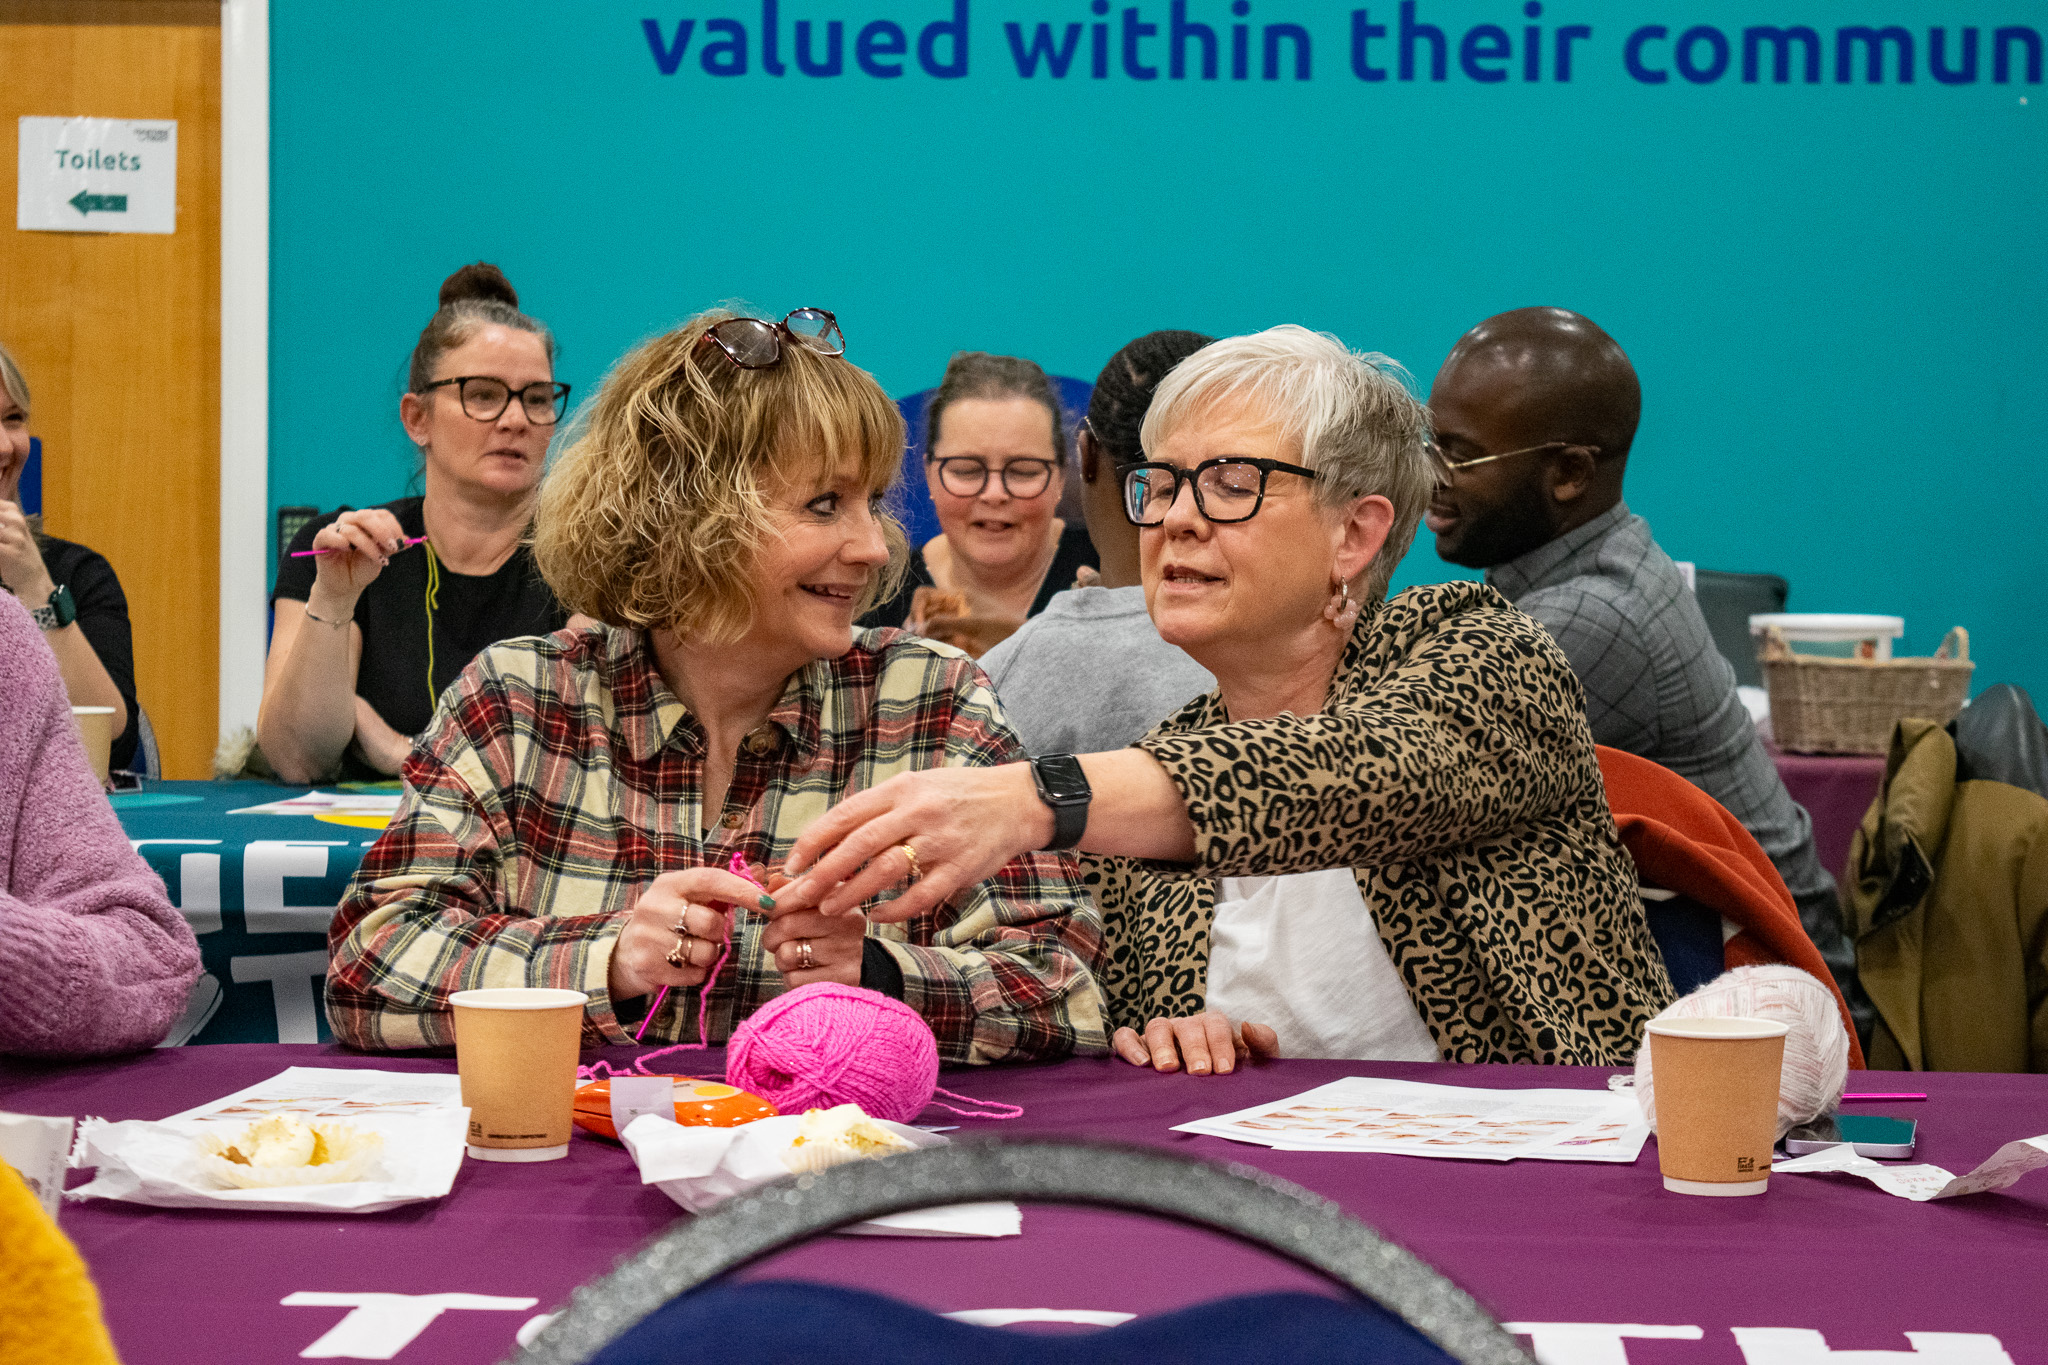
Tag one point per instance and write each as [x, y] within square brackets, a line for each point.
[49, 1311]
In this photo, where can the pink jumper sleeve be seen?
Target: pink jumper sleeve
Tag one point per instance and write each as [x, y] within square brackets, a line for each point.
[93, 957]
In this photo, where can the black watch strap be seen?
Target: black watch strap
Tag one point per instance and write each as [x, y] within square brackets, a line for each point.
[1064, 787]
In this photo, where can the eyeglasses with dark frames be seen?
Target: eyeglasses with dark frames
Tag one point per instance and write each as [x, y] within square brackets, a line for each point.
[1447, 468]
[964, 476]
[756, 343]
[486, 399]
[1228, 489]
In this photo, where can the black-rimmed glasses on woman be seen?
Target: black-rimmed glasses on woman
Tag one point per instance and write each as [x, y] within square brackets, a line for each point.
[486, 399]
[964, 476]
[1229, 489]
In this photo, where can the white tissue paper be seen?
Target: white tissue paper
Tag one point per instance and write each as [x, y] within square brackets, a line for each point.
[1921, 1183]
[162, 1164]
[699, 1167]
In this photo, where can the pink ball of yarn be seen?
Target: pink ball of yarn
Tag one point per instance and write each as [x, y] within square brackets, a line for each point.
[1816, 1048]
[825, 1044]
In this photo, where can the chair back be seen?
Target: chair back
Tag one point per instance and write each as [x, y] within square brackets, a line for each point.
[1728, 600]
[1684, 841]
[1419, 1316]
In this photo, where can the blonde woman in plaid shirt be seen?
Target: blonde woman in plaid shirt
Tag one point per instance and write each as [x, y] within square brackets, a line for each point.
[570, 812]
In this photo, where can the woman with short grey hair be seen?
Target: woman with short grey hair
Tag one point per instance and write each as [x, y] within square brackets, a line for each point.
[1384, 834]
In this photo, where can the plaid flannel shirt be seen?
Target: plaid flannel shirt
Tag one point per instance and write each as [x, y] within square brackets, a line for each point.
[560, 776]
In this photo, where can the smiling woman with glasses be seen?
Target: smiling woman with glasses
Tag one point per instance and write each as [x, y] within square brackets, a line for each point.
[995, 465]
[378, 610]
[580, 807]
[1392, 838]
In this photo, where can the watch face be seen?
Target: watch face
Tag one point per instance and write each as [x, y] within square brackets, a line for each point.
[1061, 778]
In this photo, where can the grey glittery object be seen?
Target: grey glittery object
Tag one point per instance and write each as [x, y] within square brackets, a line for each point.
[1234, 1199]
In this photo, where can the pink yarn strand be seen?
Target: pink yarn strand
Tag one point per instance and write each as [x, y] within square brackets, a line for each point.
[984, 1109]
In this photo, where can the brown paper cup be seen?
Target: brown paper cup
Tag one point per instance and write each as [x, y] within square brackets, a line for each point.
[96, 728]
[1717, 1102]
[516, 1048]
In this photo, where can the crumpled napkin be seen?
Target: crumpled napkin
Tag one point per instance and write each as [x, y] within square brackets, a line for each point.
[1921, 1183]
[700, 1167]
[162, 1164]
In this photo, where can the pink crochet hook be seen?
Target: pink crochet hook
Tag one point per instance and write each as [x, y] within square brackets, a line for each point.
[1886, 1095]
[326, 549]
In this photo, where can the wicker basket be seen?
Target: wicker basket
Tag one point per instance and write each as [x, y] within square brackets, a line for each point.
[1849, 706]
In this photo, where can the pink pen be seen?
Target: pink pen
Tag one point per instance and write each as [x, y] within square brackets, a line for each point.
[1885, 1095]
[409, 543]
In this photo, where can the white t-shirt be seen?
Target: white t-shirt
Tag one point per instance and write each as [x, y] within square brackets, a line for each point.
[1300, 954]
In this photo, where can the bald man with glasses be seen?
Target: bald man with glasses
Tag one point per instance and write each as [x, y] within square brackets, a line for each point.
[1535, 411]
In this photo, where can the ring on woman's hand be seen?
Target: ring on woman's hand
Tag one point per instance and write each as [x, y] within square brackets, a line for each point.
[804, 961]
[679, 956]
[910, 854]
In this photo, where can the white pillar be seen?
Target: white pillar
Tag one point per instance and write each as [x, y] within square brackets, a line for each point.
[245, 529]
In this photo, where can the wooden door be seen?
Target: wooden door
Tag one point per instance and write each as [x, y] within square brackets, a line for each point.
[119, 339]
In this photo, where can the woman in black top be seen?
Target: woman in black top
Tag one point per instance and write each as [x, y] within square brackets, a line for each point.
[73, 592]
[995, 463]
[368, 634]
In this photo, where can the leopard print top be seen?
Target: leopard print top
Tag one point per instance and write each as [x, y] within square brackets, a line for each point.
[1453, 771]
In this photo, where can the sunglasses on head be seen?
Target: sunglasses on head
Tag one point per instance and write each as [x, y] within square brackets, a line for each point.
[756, 343]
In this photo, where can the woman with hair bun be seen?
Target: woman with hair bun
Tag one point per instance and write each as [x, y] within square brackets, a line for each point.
[396, 600]
[995, 461]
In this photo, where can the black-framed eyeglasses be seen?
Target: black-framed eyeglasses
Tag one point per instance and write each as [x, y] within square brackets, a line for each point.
[1228, 489]
[486, 399]
[964, 476]
[756, 343]
[1447, 468]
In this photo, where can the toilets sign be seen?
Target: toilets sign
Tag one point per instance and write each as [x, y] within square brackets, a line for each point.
[98, 175]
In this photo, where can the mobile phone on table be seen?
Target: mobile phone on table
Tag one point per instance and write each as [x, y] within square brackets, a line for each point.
[1873, 1135]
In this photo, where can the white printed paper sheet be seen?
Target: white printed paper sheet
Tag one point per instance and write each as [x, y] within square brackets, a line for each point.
[1922, 1182]
[1410, 1118]
[318, 1092]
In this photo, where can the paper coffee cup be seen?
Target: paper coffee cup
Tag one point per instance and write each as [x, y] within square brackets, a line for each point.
[1717, 1102]
[96, 728]
[516, 1047]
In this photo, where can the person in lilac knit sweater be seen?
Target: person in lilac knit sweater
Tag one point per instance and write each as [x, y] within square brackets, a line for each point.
[93, 958]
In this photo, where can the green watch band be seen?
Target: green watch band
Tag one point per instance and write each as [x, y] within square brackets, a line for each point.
[60, 612]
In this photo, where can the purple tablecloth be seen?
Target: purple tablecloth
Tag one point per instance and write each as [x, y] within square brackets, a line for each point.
[1536, 1242]
[1836, 790]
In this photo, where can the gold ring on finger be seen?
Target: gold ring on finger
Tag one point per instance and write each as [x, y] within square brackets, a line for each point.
[910, 855]
[805, 962]
[679, 956]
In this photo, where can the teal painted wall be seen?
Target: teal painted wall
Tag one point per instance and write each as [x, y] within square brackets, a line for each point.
[1835, 293]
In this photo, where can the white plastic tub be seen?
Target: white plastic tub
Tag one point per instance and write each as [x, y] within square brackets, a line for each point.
[1838, 635]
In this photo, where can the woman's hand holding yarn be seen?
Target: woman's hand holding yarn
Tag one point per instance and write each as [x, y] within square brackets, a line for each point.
[808, 946]
[650, 954]
[965, 823]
